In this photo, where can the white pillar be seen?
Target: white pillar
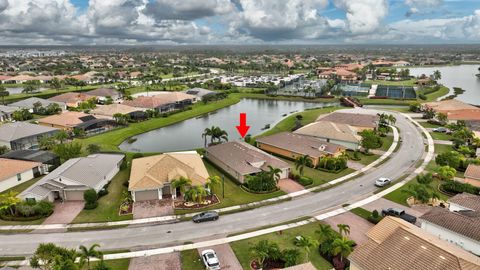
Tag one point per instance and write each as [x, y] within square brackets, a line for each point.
[159, 193]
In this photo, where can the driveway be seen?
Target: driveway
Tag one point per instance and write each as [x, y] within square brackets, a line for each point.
[358, 226]
[355, 165]
[169, 261]
[153, 208]
[289, 185]
[65, 213]
[384, 203]
[225, 255]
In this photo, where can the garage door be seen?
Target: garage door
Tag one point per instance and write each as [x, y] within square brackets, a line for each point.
[146, 195]
[74, 195]
[284, 173]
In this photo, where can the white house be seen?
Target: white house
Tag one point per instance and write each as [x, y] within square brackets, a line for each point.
[15, 172]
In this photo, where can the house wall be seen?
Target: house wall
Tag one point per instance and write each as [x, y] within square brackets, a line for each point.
[239, 177]
[13, 181]
[284, 152]
[347, 145]
[472, 181]
[452, 237]
[456, 207]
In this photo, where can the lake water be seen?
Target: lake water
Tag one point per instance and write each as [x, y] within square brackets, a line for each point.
[18, 90]
[462, 76]
[187, 134]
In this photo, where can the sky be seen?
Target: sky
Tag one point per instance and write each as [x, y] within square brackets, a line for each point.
[150, 22]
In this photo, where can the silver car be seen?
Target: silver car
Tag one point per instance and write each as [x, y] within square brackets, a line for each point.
[382, 181]
[210, 259]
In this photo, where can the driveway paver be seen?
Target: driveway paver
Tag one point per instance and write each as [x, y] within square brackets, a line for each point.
[358, 226]
[384, 203]
[65, 212]
[169, 261]
[289, 185]
[355, 165]
[225, 255]
[153, 208]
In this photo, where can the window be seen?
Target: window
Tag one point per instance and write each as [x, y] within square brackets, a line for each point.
[19, 177]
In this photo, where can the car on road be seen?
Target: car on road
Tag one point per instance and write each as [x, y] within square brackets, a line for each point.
[442, 130]
[382, 181]
[210, 259]
[205, 216]
[400, 213]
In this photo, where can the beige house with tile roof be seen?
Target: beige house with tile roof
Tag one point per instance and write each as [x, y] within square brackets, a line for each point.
[151, 177]
[15, 172]
[472, 175]
[359, 121]
[396, 244]
[341, 134]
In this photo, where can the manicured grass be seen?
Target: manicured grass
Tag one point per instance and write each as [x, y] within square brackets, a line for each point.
[437, 94]
[308, 117]
[399, 196]
[387, 142]
[111, 140]
[361, 212]
[108, 205]
[32, 222]
[51, 92]
[234, 194]
[428, 125]
[285, 241]
[191, 260]
[387, 101]
[441, 148]
[441, 136]
[410, 82]
[399, 109]
[120, 264]
[319, 177]
[364, 159]
[20, 188]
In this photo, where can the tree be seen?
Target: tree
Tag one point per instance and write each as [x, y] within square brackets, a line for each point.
[437, 75]
[290, 256]
[68, 151]
[415, 106]
[61, 136]
[442, 117]
[195, 194]
[181, 183]
[326, 235]
[274, 173]
[3, 149]
[264, 250]
[306, 243]
[343, 229]
[3, 93]
[451, 158]
[301, 162]
[370, 140]
[50, 257]
[261, 182]
[8, 201]
[343, 247]
[418, 192]
[46, 142]
[424, 179]
[211, 182]
[429, 113]
[91, 252]
[219, 134]
[22, 115]
[93, 148]
[462, 136]
[101, 265]
[208, 132]
[446, 172]
[56, 84]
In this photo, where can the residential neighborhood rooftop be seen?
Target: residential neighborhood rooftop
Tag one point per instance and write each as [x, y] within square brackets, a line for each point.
[66, 119]
[473, 171]
[18, 130]
[352, 119]
[12, 167]
[466, 200]
[327, 129]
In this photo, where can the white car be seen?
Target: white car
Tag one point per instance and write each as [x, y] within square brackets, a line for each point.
[382, 181]
[210, 259]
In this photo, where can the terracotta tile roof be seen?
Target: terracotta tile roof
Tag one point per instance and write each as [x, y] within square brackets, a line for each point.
[154, 171]
[398, 245]
[327, 129]
[242, 157]
[449, 105]
[158, 100]
[353, 119]
[463, 223]
[71, 97]
[67, 119]
[466, 200]
[304, 266]
[103, 92]
[11, 167]
[301, 144]
[464, 114]
[110, 110]
[473, 171]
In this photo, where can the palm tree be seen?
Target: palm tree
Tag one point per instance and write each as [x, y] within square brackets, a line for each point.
[343, 247]
[212, 181]
[306, 243]
[3, 93]
[344, 229]
[219, 134]
[262, 250]
[181, 183]
[325, 236]
[196, 194]
[87, 253]
[61, 136]
[301, 162]
[208, 132]
[437, 75]
[391, 119]
[274, 172]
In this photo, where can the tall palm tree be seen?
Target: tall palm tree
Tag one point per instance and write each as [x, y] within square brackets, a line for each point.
[212, 181]
[437, 75]
[274, 172]
[208, 132]
[181, 183]
[344, 229]
[343, 247]
[306, 243]
[301, 162]
[91, 252]
[219, 134]
[61, 136]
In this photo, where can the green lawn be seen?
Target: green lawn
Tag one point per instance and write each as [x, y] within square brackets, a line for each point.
[234, 194]
[20, 188]
[120, 264]
[441, 148]
[387, 101]
[387, 142]
[319, 177]
[428, 125]
[441, 136]
[410, 82]
[437, 94]
[285, 241]
[361, 212]
[50, 92]
[108, 205]
[191, 260]
[364, 159]
[309, 116]
[399, 196]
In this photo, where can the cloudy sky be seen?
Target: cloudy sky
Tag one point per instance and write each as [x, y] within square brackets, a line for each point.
[88, 22]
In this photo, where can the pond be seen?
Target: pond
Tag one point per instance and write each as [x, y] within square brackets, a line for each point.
[462, 76]
[187, 135]
[18, 90]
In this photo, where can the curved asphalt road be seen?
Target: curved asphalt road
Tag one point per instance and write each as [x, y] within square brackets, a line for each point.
[402, 161]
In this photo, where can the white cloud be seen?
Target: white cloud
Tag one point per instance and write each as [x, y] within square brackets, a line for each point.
[417, 5]
[363, 16]
[188, 9]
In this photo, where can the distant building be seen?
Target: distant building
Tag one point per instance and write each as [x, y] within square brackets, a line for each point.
[336, 133]
[162, 101]
[359, 121]
[112, 109]
[72, 99]
[200, 92]
[23, 135]
[103, 93]
[29, 103]
[16, 172]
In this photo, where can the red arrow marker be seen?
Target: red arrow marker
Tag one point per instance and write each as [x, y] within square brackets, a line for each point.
[243, 128]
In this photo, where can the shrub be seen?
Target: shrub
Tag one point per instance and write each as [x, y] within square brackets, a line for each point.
[422, 97]
[304, 181]
[457, 187]
[90, 197]
[137, 155]
[375, 217]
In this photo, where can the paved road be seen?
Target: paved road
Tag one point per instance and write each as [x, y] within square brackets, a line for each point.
[168, 234]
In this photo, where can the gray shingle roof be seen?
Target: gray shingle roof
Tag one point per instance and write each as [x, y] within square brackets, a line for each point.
[199, 92]
[28, 103]
[14, 131]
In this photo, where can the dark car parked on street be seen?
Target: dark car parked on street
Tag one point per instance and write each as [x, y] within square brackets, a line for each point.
[205, 216]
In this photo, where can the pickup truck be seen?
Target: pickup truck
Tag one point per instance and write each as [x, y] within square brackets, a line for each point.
[396, 212]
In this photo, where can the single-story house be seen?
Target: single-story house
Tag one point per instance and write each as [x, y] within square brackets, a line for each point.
[15, 172]
[464, 202]
[72, 99]
[71, 120]
[461, 228]
[472, 175]
[162, 101]
[6, 112]
[454, 109]
[356, 120]
[292, 146]
[70, 180]
[200, 92]
[23, 135]
[240, 159]
[341, 134]
[29, 103]
[396, 244]
[103, 93]
[151, 177]
[112, 109]
[48, 159]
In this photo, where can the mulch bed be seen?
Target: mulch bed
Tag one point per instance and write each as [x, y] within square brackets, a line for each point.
[128, 212]
[180, 204]
[268, 264]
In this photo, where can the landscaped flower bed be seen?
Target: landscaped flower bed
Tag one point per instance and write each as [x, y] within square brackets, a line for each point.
[207, 202]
